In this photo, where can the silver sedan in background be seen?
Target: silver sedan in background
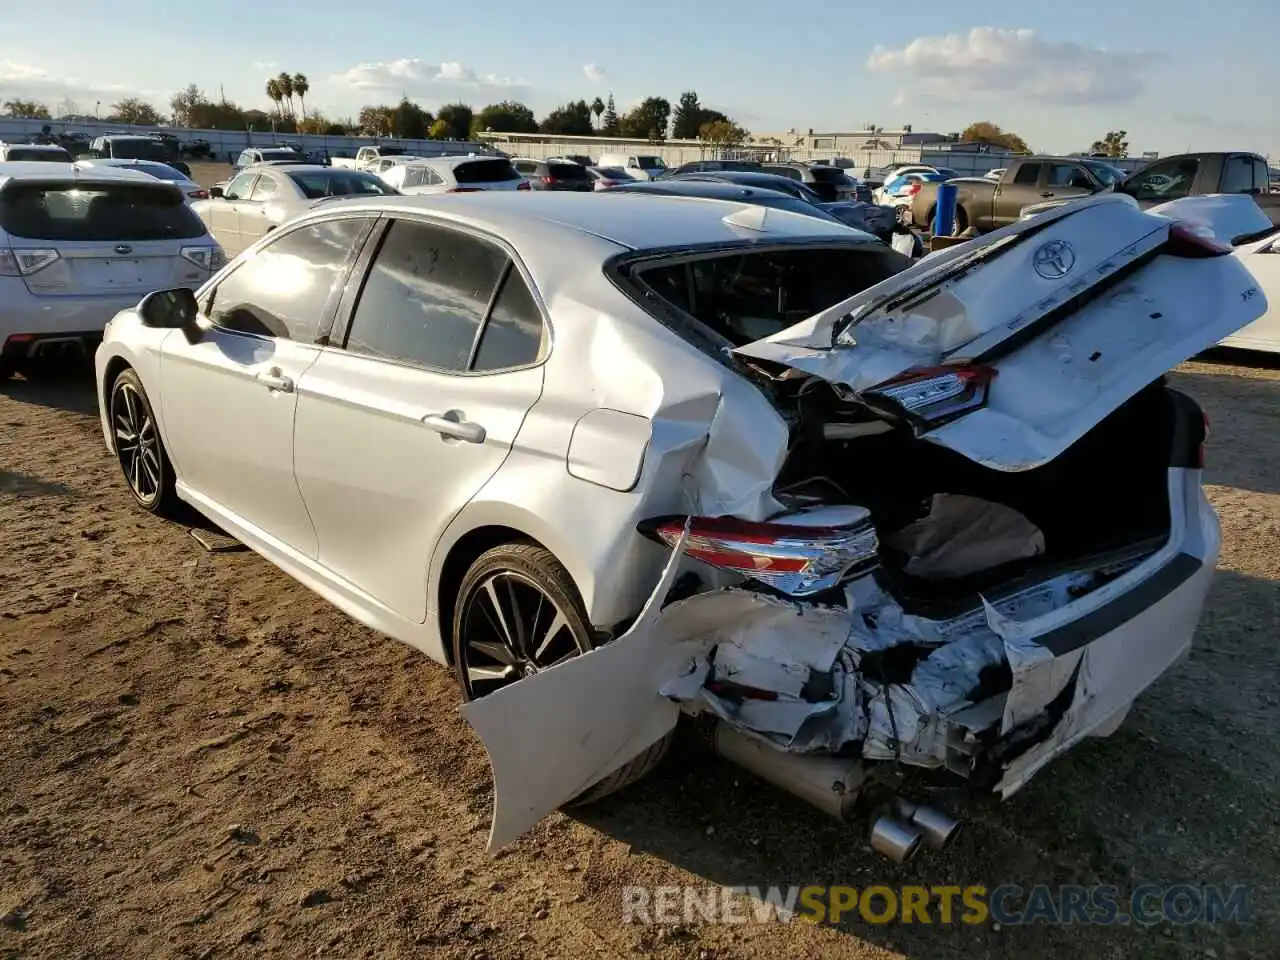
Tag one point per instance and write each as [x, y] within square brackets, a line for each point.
[261, 198]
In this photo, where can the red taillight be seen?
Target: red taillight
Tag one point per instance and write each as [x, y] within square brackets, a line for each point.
[548, 180]
[912, 189]
[932, 396]
[465, 190]
[523, 185]
[199, 194]
[795, 557]
[1192, 241]
[20, 338]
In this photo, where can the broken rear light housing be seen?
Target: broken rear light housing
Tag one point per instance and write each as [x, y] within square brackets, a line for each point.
[793, 558]
[932, 396]
[1194, 241]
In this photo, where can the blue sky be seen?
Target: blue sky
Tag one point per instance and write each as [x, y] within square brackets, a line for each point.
[1173, 74]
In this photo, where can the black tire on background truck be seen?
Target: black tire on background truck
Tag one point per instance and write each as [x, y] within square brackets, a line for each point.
[537, 567]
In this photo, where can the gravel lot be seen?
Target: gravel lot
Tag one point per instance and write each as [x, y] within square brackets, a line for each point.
[200, 758]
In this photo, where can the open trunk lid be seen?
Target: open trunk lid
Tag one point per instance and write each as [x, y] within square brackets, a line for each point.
[1011, 347]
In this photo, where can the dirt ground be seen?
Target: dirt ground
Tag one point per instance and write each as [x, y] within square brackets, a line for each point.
[201, 759]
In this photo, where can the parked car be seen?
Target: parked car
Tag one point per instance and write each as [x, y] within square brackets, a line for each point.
[121, 146]
[383, 164]
[713, 166]
[640, 166]
[693, 187]
[77, 246]
[262, 197]
[901, 190]
[606, 177]
[760, 180]
[153, 168]
[552, 174]
[367, 156]
[828, 182]
[988, 204]
[454, 175]
[829, 498]
[256, 155]
[33, 153]
[1199, 174]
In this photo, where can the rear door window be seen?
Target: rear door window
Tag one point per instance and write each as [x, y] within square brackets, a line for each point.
[111, 213]
[284, 290]
[1028, 175]
[425, 296]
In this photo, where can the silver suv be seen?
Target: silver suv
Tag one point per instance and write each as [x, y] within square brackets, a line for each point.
[79, 245]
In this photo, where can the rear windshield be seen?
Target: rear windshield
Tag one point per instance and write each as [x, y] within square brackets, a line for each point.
[51, 156]
[746, 296]
[281, 154]
[485, 171]
[139, 149]
[99, 212]
[828, 175]
[567, 171]
[650, 163]
[340, 183]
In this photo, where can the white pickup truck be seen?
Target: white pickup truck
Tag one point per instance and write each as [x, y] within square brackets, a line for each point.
[367, 157]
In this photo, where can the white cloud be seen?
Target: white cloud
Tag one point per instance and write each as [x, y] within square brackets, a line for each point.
[594, 72]
[1002, 62]
[265, 65]
[22, 81]
[423, 78]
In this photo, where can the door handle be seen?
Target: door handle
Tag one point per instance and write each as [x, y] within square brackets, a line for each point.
[275, 380]
[452, 425]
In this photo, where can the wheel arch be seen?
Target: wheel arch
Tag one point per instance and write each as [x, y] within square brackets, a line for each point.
[117, 365]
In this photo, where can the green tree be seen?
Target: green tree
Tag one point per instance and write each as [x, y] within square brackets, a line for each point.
[508, 116]
[191, 108]
[457, 118]
[440, 130]
[410, 121]
[573, 119]
[136, 112]
[285, 83]
[687, 119]
[301, 86]
[376, 120]
[26, 110]
[984, 131]
[649, 120]
[275, 95]
[1113, 144]
[597, 108]
[723, 133]
[609, 123]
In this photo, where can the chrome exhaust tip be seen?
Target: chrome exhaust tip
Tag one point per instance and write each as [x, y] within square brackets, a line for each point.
[938, 829]
[894, 839]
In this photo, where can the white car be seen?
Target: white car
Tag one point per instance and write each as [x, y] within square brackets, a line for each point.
[260, 198]
[77, 246]
[688, 436]
[152, 168]
[454, 175]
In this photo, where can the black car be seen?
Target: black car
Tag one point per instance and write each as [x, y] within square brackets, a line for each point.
[713, 166]
[555, 175]
[829, 182]
[721, 190]
[760, 180]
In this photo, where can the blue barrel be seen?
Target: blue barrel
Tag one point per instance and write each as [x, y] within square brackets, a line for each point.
[944, 215]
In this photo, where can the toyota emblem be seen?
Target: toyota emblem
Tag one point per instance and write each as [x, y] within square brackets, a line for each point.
[1054, 260]
[123, 248]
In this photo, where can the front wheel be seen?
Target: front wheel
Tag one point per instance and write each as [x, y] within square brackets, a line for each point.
[518, 612]
[139, 450]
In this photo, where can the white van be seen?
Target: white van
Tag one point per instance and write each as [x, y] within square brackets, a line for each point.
[641, 166]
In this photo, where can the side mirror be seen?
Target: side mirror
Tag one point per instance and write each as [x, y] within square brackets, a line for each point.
[216, 192]
[174, 309]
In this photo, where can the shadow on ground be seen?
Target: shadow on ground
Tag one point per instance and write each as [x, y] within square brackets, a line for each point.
[1156, 803]
[70, 388]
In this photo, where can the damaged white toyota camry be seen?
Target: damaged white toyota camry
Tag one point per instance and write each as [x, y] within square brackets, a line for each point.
[618, 460]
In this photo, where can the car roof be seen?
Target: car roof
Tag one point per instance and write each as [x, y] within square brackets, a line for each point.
[531, 221]
[37, 171]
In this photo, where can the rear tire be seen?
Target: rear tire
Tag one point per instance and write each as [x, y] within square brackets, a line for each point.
[139, 449]
[538, 601]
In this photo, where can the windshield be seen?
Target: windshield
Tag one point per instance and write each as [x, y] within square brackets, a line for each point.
[317, 184]
[650, 163]
[1108, 174]
[281, 154]
[139, 149]
[97, 212]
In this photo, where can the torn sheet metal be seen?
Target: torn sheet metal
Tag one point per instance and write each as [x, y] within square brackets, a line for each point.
[543, 755]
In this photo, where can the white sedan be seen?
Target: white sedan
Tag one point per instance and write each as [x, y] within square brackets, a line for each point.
[689, 436]
[468, 174]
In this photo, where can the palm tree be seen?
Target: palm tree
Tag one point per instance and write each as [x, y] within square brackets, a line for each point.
[274, 93]
[286, 89]
[597, 107]
[300, 86]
